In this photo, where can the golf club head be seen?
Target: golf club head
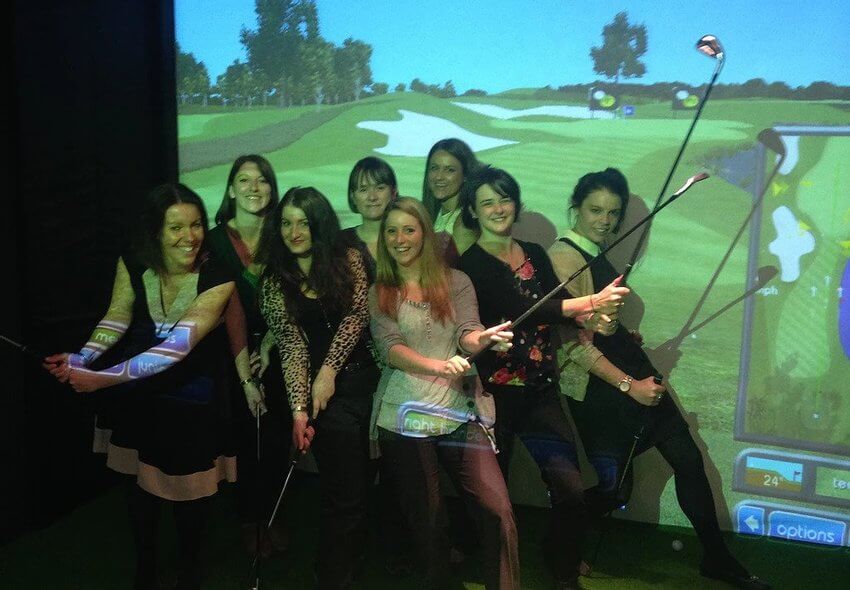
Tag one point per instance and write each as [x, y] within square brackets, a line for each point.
[765, 273]
[770, 139]
[710, 46]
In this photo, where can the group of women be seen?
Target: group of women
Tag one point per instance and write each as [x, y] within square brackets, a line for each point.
[374, 327]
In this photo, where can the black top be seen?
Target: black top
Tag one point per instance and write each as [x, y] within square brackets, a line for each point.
[350, 238]
[177, 420]
[319, 325]
[505, 294]
[620, 348]
[607, 419]
[219, 243]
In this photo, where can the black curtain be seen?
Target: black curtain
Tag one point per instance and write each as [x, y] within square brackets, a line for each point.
[93, 128]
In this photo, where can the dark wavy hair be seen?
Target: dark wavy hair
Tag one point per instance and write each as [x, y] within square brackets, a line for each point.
[462, 153]
[227, 209]
[146, 242]
[609, 179]
[374, 169]
[497, 179]
[329, 275]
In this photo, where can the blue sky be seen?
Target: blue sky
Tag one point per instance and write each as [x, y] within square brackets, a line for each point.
[496, 45]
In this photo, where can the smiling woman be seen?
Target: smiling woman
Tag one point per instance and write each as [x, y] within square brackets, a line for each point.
[313, 297]
[429, 409]
[250, 194]
[162, 353]
[509, 277]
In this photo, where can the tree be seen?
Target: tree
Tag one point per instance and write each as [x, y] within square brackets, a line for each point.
[417, 85]
[622, 46]
[448, 90]
[192, 77]
[272, 48]
[237, 84]
[380, 88]
[351, 68]
[400, 87]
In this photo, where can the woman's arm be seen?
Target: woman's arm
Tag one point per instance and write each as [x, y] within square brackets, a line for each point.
[291, 346]
[645, 391]
[237, 334]
[470, 335]
[203, 315]
[606, 302]
[601, 314]
[108, 331]
[566, 261]
[294, 360]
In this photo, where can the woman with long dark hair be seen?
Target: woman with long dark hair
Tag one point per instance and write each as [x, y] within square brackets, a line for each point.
[429, 411]
[250, 195]
[509, 276]
[313, 295]
[449, 162]
[621, 396]
[162, 352]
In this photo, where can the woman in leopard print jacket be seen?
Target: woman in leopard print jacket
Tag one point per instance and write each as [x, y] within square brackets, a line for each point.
[313, 296]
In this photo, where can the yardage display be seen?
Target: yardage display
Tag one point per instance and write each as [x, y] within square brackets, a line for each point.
[794, 476]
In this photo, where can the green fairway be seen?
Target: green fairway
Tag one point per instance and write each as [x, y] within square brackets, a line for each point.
[688, 241]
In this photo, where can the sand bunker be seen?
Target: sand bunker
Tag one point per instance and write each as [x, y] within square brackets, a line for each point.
[570, 111]
[416, 133]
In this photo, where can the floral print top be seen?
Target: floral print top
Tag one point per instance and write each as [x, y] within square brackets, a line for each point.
[504, 294]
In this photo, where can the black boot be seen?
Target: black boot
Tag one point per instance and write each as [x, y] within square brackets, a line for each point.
[728, 569]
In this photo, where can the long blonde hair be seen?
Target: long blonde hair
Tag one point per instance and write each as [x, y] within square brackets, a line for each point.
[434, 274]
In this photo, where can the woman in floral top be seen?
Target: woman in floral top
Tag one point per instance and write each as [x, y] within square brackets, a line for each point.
[509, 277]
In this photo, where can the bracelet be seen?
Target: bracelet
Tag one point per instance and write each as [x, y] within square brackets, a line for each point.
[592, 307]
[247, 381]
[299, 408]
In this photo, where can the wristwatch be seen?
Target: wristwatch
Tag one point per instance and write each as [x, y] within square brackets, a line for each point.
[625, 384]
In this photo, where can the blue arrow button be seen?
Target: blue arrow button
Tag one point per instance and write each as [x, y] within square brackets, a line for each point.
[750, 520]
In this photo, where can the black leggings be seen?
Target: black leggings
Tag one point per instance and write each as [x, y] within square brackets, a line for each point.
[190, 518]
[692, 488]
[537, 418]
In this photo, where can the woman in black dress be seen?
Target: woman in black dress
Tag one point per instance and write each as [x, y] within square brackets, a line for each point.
[509, 276]
[163, 353]
[622, 396]
[250, 196]
[313, 296]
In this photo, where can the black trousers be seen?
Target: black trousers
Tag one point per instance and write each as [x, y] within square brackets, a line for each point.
[469, 460]
[537, 418]
[346, 474]
[258, 485]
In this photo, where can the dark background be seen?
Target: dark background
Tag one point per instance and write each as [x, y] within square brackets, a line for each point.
[92, 128]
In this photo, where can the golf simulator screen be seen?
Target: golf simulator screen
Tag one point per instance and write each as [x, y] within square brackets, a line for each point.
[741, 292]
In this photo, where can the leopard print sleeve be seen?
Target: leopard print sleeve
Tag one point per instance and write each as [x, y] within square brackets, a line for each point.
[294, 357]
[353, 323]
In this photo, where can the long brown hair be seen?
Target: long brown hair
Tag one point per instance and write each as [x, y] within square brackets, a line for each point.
[462, 153]
[330, 275]
[434, 275]
[227, 209]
